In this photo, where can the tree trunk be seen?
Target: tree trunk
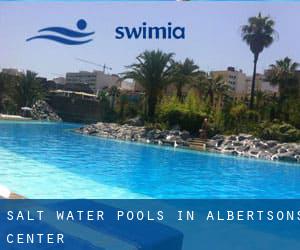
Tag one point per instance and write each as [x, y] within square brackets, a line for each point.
[179, 92]
[253, 82]
[211, 97]
[113, 102]
[1, 105]
[152, 100]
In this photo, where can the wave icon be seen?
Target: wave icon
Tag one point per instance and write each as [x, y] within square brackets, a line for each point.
[68, 36]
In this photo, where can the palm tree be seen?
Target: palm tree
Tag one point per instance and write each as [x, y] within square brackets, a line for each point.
[258, 34]
[113, 92]
[2, 89]
[102, 95]
[184, 73]
[29, 89]
[153, 72]
[261, 99]
[123, 103]
[7, 91]
[216, 88]
[200, 84]
[283, 74]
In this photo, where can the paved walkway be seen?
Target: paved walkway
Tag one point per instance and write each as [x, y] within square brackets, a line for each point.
[15, 196]
[14, 118]
[7, 194]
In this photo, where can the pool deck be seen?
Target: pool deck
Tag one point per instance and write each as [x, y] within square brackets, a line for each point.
[14, 196]
[5, 193]
[14, 118]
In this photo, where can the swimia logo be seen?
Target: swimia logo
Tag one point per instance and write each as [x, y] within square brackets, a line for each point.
[150, 32]
[65, 35]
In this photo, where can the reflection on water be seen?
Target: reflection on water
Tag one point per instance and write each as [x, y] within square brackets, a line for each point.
[48, 160]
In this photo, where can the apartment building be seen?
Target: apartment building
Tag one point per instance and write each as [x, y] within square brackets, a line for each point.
[96, 80]
[261, 84]
[60, 80]
[241, 84]
[12, 71]
[236, 80]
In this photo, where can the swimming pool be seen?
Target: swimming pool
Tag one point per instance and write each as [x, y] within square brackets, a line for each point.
[49, 160]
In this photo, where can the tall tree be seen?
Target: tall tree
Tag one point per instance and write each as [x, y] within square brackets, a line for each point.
[200, 85]
[184, 73]
[153, 72]
[216, 89]
[2, 89]
[258, 33]
[28, 89]
[7, 89]
[283, 75]
[113, 92]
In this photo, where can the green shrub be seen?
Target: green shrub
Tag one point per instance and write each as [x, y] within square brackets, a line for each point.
[192, 102]
[282, 132]
[129, 107]
[294, 113]
[217, 123]
[243, 119]
[185, 119]
[186, 115]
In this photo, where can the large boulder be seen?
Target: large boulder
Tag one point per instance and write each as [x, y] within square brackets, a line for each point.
[242, 144]
[136, 121]
[249, 146]
[242, 137]
[41, 110]
[218, 137]
[136, 133]
[185, 135]
[288, 156]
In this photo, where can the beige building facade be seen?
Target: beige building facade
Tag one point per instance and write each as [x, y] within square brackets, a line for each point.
[240, 83]
[96, 80]
[12, 71]
[261, 84]
[236, 80]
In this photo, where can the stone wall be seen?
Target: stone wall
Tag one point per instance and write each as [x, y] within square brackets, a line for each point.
[74, 109]
[250, 146]
[239, 145]
[136, 133]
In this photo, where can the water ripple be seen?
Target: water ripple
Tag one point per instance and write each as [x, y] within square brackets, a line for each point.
[46, 160]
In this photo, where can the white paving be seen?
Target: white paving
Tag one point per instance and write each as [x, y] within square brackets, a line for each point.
[4, 192]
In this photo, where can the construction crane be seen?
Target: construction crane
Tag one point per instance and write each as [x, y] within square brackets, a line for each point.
[104, 66]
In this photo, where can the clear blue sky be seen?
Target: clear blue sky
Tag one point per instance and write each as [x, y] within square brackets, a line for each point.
[212, 40]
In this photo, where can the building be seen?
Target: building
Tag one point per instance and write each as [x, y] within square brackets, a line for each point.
[261, 84]
[96, 80]
[59, 80]
[78, 87]
[240, 83]
[12, 71]
[131, 86]
[75, 94]
[127, 86]
[236, 80]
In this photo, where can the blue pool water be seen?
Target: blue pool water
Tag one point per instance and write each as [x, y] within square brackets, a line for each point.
[48, 160]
